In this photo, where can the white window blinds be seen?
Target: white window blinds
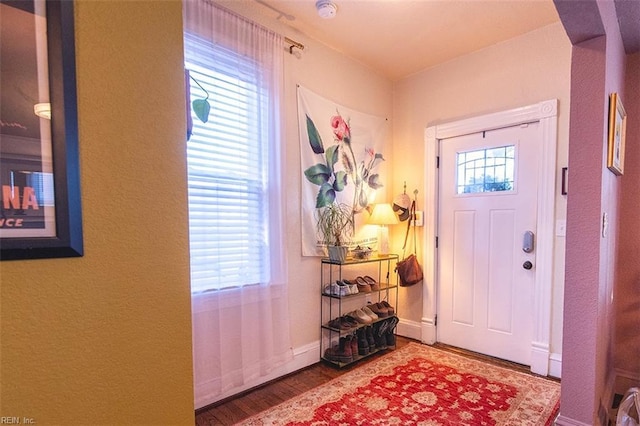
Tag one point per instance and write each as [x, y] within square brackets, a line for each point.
[227, 176]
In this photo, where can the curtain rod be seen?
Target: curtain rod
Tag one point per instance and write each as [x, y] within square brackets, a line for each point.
[294, 44]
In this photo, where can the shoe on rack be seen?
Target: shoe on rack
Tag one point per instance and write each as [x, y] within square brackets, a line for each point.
[372, 283]
[339, 353]
[332, 290]
[390, 335]
[353, 286]
[390, 338]
[370, 337]
[381, 312]
[381, 341]
[345, 347]
[363, 286]
[363, 343]
[339, 324]
[343, 289]
[386, 312]
[370, 313]
[390, 308]
[350, 321]
[380, 328]
[361, 317]
[379, 335]
[353, 342]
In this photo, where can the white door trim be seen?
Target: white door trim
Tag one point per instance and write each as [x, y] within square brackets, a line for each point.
[546, 113]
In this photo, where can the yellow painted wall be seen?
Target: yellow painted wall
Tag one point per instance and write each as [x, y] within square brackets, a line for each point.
[106, 338]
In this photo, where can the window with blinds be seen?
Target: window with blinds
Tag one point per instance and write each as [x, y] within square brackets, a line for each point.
[227, 175]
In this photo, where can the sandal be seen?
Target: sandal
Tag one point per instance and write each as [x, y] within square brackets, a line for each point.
[373, 283]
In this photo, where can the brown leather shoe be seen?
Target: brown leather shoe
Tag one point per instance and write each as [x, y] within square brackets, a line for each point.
[369, 312]
[353, 340]
[373, 283]
[363, 286]
[340, 352]
[379, 310]
[339, 324]
[360, 316]
[388, 306]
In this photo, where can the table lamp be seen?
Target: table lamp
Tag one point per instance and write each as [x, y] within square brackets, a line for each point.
[383, 215]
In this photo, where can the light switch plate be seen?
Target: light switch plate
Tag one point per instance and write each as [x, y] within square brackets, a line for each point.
[561, 228]
[419, 218]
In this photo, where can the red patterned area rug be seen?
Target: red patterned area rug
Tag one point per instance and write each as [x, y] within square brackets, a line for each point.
[421, 385]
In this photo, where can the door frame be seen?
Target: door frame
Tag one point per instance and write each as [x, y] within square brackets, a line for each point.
[546, 114]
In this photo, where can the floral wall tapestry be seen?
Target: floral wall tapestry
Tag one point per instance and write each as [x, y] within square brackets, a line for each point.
[343, 163]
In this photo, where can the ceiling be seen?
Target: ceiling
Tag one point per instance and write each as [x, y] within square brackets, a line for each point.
[397, 38]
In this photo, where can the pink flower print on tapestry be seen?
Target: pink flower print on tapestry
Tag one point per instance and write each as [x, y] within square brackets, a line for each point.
[340, 128]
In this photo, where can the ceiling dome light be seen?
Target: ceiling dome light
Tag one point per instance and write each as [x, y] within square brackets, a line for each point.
[43, 110]
[326, 9]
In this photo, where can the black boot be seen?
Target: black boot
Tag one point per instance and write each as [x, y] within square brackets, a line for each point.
[363, 343]
[390, 336]
[369, 333]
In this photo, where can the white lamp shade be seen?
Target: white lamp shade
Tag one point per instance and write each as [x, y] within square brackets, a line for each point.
[382, 214]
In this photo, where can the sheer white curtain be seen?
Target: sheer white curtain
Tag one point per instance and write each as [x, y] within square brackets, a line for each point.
[240, 328]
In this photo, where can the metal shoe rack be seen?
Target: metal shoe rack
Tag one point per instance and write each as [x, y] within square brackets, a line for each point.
[332, 306]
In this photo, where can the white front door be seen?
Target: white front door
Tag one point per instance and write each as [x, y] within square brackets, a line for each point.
[487, 202]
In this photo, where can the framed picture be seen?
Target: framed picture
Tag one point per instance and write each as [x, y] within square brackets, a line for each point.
[617, 133]
[565, 181]
[40, 212]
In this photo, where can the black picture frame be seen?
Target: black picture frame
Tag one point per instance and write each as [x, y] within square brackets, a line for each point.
[68, 238]
[565, 181]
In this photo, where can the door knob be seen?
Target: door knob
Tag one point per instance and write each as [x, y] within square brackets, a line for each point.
[527, 265]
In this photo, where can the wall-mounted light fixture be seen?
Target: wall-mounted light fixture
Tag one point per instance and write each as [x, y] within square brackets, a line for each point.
[43, 110]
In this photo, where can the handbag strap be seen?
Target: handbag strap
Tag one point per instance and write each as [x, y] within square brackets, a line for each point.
[415, 218]
[412, 215]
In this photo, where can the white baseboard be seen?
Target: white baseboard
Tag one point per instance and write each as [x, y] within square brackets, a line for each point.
[410, 329]
[428, 330]
[540, 358]
[555, 365]
[302, 357]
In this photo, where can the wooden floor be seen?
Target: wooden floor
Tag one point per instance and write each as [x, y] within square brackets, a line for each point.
[240, 407]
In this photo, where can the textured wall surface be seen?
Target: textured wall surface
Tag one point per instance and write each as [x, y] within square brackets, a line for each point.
[597, 70]
[106, 338]
[627, 290]
[583, 235]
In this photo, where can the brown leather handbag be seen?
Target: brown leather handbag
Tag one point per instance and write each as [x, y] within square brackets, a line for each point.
[409, 270]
